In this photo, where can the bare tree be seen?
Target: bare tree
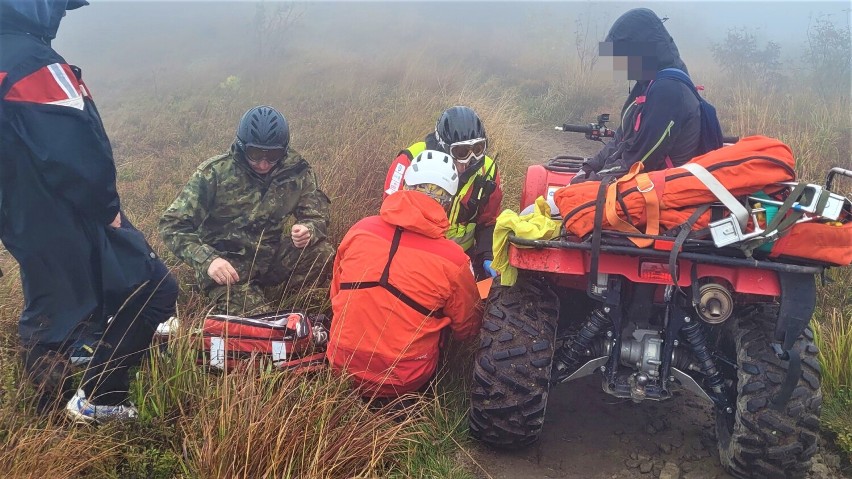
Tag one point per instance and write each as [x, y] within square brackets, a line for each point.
[272, 23]
[740, 56]
[829, 54]
[586, 42]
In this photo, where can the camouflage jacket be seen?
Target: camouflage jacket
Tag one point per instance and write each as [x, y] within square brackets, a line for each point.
[227, 210]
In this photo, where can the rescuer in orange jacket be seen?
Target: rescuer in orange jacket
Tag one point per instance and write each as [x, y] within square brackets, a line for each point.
[398, 283]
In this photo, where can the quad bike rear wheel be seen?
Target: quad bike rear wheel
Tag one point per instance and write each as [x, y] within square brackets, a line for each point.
[511, 377]
[762, 439]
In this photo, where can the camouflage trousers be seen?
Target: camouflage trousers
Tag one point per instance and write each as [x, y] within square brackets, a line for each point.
[294, 272]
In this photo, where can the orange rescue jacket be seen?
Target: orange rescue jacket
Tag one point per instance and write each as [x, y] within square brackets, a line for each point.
[397, 284]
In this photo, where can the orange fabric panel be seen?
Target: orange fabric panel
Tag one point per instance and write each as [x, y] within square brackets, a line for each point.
[818, 242]
[744, 168]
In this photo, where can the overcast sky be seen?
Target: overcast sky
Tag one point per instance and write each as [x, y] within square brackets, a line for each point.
[122, 36]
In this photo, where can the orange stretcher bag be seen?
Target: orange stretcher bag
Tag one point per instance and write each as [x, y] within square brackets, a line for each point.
[665, 199]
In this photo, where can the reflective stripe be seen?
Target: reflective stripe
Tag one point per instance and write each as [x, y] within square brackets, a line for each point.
[666, 133]
[53, 84]
[462, 234]
[62, 79]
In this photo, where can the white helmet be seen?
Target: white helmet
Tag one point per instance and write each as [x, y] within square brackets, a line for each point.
[434, 168]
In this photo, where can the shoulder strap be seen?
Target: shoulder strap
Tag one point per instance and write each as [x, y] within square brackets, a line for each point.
[385, 284]
[678, 75]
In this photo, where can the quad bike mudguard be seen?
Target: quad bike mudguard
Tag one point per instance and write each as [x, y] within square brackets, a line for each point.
[798, 300]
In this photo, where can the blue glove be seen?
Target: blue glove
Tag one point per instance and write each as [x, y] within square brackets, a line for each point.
[487, 266]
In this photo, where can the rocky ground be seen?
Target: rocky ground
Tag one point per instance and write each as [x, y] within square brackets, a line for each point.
[589, 434]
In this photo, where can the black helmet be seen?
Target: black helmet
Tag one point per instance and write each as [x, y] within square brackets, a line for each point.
[263, 127]
[459, 123]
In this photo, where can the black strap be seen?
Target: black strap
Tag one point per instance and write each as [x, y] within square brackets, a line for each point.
[794, 370]
[798, 301]
[397, 236]
[596, 237]
[398, 294]
[685, 229]
[483, 186]
[627, 217]
[385, 284]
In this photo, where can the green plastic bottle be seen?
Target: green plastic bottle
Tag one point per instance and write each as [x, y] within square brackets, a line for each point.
[771, 211]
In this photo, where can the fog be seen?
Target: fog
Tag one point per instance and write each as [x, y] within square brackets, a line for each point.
[125, 43]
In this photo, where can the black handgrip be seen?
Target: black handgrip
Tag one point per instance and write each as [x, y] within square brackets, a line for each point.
[836, 171]
[730, 139]
[577, 128]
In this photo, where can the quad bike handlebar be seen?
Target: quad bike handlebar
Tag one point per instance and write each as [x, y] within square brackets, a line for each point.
[593, 131]
[597, 131]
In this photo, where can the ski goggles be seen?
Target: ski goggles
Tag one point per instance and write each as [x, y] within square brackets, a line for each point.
[462, 151]
[256, 155]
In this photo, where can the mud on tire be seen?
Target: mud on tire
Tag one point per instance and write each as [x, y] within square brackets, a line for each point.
[511, 376]
[762, 440]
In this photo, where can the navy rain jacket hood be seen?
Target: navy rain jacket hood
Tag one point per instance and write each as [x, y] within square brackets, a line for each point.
[642, 26]
[36, 17]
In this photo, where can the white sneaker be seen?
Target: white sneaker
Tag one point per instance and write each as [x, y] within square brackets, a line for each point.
[168, 327]
[81, 410]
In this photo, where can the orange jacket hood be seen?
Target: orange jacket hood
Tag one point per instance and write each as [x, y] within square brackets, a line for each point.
[415, 211]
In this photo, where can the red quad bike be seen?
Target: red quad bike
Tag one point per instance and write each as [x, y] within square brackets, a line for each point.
[734, 331]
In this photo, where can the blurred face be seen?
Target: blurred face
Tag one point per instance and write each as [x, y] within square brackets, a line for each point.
[634, 68]
[631, 60]
[263, 161]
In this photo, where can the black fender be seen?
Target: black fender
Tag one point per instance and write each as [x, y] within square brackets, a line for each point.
[798, 301]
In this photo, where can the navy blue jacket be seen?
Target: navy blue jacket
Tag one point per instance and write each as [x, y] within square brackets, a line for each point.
[57, 184]
[665, 124]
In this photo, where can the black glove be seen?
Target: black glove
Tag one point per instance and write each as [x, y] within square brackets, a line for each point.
[586, 173]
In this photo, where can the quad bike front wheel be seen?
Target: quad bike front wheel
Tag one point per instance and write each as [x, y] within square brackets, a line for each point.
[763, 439]
[511, 377]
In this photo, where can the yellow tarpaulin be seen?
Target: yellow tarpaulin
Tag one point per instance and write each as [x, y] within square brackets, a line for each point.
[536, 225]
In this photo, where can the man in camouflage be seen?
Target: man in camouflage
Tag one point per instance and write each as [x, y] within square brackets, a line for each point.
[230, 221]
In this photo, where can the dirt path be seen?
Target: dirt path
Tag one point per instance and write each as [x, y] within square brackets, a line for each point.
[544, 142]
[589, 434]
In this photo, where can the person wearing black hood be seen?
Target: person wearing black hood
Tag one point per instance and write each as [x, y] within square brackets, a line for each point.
[81, 261]
[660, 127]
